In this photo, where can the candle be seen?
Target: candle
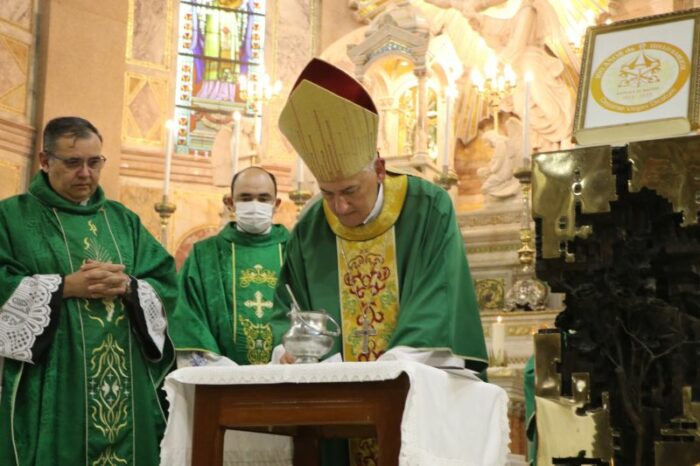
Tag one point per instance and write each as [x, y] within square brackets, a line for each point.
[235, 142]
[170, 129]
[449, 91]
[498, 341]
[300, 170]
[526, 121]
[258, 131]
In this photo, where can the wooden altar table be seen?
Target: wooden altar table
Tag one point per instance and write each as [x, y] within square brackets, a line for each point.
[307, 411]
[420, 415]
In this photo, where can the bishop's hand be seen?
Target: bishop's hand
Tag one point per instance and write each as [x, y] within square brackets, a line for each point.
[287, 358]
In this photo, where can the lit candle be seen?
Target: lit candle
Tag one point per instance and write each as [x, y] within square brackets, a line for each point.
[449, 92]
[170, 129]
[498, 341]
[526, 120]
[235, 142]
[300, 170]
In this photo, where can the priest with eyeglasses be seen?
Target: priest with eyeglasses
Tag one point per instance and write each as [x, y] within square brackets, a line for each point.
[83, 293]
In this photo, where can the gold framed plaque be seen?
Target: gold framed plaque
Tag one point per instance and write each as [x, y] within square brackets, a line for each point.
[639, 80]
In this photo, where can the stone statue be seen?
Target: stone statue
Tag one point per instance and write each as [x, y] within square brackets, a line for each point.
[497, 178]
[531, 40]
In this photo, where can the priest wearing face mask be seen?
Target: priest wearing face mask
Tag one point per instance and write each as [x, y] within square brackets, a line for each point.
[227, 283]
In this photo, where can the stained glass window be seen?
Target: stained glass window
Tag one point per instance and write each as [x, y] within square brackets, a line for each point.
[219, 40]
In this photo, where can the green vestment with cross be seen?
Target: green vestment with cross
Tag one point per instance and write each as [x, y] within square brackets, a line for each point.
[226, 288]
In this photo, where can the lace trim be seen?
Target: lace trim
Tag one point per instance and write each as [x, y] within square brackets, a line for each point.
[25, 315]
[153, 312]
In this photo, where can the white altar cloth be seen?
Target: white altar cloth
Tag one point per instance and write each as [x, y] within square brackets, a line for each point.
[448, 419]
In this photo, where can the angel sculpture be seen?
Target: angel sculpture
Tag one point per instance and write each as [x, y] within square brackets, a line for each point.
[497, 178]
[532, 40]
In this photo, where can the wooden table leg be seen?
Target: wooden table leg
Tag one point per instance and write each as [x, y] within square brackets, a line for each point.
[207, 435]
[389, 440]
[307, 448]
[388, 424]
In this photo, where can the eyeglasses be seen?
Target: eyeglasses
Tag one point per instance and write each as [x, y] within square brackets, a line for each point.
[74, 163]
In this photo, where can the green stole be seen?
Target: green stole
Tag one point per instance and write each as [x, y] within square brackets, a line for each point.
[226, 288]
[94, 396]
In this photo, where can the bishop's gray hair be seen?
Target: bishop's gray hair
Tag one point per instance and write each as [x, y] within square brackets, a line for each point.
[370, 166]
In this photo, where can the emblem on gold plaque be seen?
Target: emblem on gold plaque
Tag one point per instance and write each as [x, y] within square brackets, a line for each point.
[640, 77]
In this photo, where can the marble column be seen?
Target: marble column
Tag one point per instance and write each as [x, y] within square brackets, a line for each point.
[421, 142]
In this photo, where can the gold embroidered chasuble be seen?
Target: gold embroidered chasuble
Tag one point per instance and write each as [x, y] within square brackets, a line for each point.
[368, 277]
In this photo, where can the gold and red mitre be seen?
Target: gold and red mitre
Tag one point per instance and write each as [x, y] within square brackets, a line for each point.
[331, 122]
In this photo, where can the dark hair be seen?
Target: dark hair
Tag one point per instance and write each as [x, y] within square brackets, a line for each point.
[272, 177]
[61, 127]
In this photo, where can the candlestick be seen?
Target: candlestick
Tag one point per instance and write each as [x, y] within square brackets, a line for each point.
[299, 196]
[449, 92]
[235, 142]
[169, 126]
[498, 340]
[300, 170]
[526, 120]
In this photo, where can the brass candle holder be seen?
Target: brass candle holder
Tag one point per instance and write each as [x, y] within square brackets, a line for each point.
[165, 210]
[446, 179]
[299, 197]
[527, 293]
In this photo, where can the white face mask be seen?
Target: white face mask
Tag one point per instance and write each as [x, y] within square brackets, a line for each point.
[253, 216]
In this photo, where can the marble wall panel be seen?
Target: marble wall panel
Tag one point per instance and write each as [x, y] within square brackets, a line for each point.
[11, 175]
[14, 63]
[149, 36]
[145, 108]
[17, 12]
[198, 215]
[290, 39]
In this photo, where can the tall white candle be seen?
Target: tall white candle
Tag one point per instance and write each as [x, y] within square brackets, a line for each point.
[235, 142]
[526, 120]
[170, 132]
[448, 127]
[258, 131]
[300, 170]
[498, 341]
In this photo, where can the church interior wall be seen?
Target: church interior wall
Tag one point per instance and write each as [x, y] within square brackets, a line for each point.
[80, 71]
[337, 20]
[17, 131]
[115, 64]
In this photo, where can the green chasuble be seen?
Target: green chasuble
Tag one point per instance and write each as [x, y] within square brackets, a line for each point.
[226, 289]
[80, 377]
[400, 280]
[530, 422]
[405, 276]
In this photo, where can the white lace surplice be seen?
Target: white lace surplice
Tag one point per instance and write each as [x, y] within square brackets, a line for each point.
[449, 420]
